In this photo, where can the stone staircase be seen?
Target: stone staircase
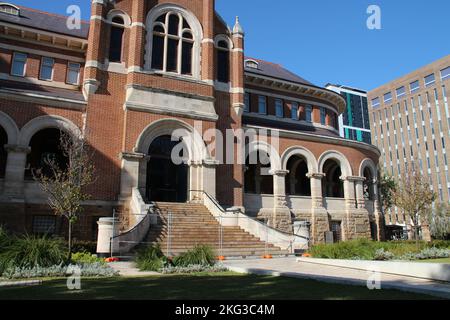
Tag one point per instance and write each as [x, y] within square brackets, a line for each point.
[193, 224]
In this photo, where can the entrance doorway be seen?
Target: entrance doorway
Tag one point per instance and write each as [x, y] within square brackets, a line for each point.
[166, 181]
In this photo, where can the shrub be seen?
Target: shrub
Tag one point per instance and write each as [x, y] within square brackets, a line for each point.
[433, 253]
[151, 259]
[85, 246]
[82, 258]
[355, 249]
[5, 239]
[88, 270]
[200, 255]
[440, 244]
[193, 269]
[382, 255]
[32, 251]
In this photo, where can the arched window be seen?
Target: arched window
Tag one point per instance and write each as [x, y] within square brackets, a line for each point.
[116, 39]
[3, 153]
[257, 178]
[368, 185]
[223, 61]
[251, 64]
[9, 9]
[45, 146]
[332, 185]
[172, 45]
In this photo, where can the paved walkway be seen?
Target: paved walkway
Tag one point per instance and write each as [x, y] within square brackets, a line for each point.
[289, 267]
[128, 269]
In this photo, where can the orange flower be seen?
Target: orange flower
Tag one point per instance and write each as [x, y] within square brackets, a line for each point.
[221, 258]
[306, 255]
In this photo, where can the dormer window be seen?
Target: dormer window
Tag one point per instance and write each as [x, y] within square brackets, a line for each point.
[173, 43]
[252, 64]
[9, 9]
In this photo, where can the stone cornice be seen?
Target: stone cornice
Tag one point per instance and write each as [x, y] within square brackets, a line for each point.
[323, 139]
[297, 88]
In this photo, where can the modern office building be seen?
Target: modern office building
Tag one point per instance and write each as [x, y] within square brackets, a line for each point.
[411, 126]
[354, 122]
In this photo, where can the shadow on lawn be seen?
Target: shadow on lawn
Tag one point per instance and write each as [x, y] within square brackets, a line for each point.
[200, 287]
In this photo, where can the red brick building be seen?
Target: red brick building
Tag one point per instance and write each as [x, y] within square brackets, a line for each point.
[137, 71]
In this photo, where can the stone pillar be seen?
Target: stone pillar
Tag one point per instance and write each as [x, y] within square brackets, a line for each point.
[379, 217]
[108, 228]
[359, 187]
[282, 214]
[15, 170]
[208, 65]
[129, 176]
[319, 216]
[357, 224]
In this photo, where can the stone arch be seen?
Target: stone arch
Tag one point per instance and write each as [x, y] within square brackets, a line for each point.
[275, 160]
[196, 148]
[201, 171]
[45, 122]
[194, 23]
[119, 13]
[369, 164]
[303, 152]
[346, 168]
[223, 37]
[8, 124]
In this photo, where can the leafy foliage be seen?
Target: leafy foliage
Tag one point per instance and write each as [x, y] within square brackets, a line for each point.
[32, 251]
[87, 270]
[5, 239]
[193, 269]
[387, 187]
[439, 221]
[151, 259]
[363, 249]
[414, 196]
[200, 255]
[83, 258]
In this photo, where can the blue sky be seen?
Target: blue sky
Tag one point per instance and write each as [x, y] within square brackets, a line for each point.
[327, 40]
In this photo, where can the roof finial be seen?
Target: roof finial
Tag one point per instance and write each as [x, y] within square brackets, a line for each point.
[237, 29]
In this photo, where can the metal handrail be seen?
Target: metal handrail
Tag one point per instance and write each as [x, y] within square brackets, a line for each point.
[218, 206]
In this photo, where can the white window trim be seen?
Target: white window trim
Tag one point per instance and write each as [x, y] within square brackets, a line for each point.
[278, 103]
[260, 98]
[68, 71]
[196, 31]
[25, 64]
[42, 65]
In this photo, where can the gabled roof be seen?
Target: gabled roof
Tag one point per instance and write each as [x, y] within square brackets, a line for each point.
[274, 70]
[45, 21]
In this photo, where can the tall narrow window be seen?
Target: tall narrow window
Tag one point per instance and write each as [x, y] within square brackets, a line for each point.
[247, 102]
[223, 62]
[73, 73]
[172, 45]
[18, 64]
[47, 69]
[308, 113]
[279, 108]
[262, 105]
[323, 116]
[116, 39]
[294, 111]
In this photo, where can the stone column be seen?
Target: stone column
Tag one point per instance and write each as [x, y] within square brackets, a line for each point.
[130, 173]
[379, 217]
[319, 215]
[359, 187]
[282, 214]
[108, 228]
[237, 68]
[15, 170]
[357, 224]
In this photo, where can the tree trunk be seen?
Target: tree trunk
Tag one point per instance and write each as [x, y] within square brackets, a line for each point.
[70, 242]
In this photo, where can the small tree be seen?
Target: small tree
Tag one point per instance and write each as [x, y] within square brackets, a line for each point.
[387, 187]
[65, 185]
[439, 221]
[414, 196]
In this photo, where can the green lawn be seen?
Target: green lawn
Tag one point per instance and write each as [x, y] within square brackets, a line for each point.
[203, 286]
[443, 260]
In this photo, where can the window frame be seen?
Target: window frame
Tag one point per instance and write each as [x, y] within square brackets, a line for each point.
[447, 75]
[387, 94]
[309, 113]
[279, 108]
[13, 60]
[401, 94]
[247, 102]
[294, 106]
[429, 83]
[42, 67]
[262, 100]
[377, 104]
[222, 50]
[323, 116]
[411, 89]
[68, 72]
